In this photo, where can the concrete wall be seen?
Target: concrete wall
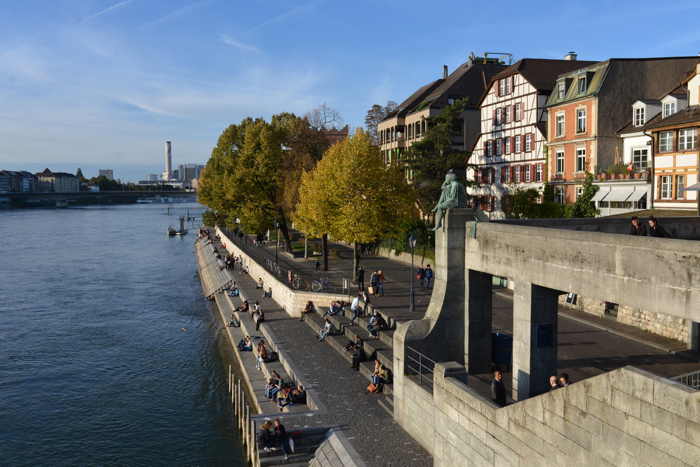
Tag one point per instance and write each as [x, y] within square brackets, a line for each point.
[336, 451]
[655, 274]
[292, 301]
[624, 417]
[405, 258]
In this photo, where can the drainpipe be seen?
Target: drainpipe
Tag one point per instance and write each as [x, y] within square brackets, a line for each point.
[651, 172]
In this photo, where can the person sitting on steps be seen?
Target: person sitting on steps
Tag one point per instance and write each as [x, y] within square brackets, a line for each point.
[325, 330]
[379, 377]
[284, 398]
[298, 395]
[243, 307]
[260, 283]
[309, 308]
[245, 344]
[376, 324]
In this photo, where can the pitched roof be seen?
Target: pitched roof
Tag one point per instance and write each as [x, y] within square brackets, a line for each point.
[690, 114]
[469, 80]
[417, 96]
[541, 72]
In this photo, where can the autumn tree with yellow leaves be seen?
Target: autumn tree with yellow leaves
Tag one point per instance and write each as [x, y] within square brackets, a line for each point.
[353, 196]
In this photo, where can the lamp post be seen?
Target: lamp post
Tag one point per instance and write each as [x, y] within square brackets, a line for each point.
[277, 242]
[412, 244]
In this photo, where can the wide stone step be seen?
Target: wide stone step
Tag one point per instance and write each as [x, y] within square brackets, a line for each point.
[387, 337]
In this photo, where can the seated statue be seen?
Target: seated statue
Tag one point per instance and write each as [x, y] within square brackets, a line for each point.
[453, 196]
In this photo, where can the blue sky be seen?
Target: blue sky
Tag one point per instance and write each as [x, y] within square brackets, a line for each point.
[103, 83]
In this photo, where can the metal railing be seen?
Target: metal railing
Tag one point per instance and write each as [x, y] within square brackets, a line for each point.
[691, 379]
[419, 366]
[294, 278]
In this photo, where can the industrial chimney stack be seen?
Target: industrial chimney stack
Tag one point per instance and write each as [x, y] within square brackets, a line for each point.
[168, 172]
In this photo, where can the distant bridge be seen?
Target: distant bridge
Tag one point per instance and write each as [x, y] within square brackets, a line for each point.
[88, 197]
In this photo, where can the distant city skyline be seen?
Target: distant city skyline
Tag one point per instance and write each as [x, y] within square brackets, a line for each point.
[102, 83]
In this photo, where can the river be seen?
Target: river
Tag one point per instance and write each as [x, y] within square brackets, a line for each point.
[109, 355]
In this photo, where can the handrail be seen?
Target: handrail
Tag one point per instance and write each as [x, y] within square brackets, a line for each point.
[691, 379]
[420, 364]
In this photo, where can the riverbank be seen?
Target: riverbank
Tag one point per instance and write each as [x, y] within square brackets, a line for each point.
[358, 431]
[63, 200]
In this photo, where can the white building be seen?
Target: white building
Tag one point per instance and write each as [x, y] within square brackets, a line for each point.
[108, 173]
[510, 152]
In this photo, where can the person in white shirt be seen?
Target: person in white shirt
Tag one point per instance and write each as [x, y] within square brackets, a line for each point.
[355, 308]
[325, 330]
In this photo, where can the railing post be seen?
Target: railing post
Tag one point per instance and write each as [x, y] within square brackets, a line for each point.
[420, 368]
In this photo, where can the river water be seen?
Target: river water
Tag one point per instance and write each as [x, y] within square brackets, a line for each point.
[109, 355]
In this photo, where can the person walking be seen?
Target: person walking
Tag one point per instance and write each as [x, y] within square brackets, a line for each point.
[361, 278]
[380, 283]
[428, 276]
[373, 283]
[355, 307]
[281, 438]
[498, 389]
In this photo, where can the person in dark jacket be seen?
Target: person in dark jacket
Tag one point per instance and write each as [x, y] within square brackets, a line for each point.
[498, 389]
[637, 228]
[361, 278]
[280, 437]
[655, 230]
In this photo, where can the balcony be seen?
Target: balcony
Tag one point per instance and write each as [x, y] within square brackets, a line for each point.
[619, 175]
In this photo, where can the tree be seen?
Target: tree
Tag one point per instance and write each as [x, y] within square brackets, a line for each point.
[430, 158]
[584, 207]
[324, 118]
[79, 174]
[352, 196]
[376, 114]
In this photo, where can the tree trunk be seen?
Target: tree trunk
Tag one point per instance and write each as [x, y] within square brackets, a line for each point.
[285, 232]
[355, 259]
[324, 247]
[306, 247]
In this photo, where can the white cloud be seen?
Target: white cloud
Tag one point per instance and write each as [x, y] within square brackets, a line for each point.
[228, 40]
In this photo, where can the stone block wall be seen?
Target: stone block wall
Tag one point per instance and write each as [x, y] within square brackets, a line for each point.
[292, 301]
[336, 451]
[624, 417]
[657, 323]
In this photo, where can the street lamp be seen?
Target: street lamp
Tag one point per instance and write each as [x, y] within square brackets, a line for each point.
[277, 242]
[412, 244]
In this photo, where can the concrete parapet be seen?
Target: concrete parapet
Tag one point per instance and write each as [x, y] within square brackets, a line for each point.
[292, 301]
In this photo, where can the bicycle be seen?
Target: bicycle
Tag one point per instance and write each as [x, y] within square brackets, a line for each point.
[320, 284]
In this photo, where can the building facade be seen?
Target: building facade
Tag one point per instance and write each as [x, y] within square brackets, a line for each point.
[509, 154]
[12, 181]
[675, 146]
[57, 182]
[409, 122]
[108, 173]
[588, 107]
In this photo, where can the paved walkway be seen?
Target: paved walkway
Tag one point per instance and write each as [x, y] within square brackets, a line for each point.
[340, 391]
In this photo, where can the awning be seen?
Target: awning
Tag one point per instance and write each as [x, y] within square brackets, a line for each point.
[637, 195]
[695, 187]
[619, 194]
[600, 195]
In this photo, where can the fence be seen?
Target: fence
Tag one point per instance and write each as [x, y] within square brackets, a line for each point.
[243, 418]
[689, 379]
[286, 273]
[418, 365]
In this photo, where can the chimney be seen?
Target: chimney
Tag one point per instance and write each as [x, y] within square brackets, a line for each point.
[570, 56]
[444, 72]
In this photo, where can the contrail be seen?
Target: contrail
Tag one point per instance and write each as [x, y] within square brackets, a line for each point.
[108, 9]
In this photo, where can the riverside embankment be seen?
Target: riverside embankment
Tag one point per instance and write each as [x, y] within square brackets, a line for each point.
[358, 430]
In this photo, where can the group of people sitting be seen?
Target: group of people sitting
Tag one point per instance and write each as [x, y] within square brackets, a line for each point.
[273, 435]
[498, 389]
[335, 308]
[380, 377]
[376, 323]
[245, 344]
[283, 392]
[559, 382]
[653, 229]
[264, 355]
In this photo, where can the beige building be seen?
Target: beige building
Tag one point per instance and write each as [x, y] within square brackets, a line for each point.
[409, 122]
[57, 182]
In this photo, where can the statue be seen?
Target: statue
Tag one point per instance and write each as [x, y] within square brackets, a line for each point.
[453, 196]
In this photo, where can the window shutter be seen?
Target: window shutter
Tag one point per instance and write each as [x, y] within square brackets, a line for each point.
[512, 173]
[522, 111]
[486, 148]
[503, 174]
[533, 172]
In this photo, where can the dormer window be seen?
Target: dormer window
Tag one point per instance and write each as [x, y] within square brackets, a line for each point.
[561, 89]
[669, 108]
[638, 116]
[582, 84]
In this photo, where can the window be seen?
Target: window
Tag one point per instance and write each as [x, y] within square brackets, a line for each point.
[538, 173]
[499, 147]
[561, 89]
[518, 110]
[665, 186]
[680, 186]
[669, 108]
[580, 159]
[580, 120]
[638, 116]
[506, 115]
[502, 87]
[508, 144]
[560, 162]
[526, 174]
[579, 191]
[666, 141]
[450, 101]
[498, 117]
[509, 85]
[640, 158]
[517, 174]
[559, 195]
[518, 145]
[528, 142]
[582, 84]
[687, 139]
[559, 130]
[506, 171]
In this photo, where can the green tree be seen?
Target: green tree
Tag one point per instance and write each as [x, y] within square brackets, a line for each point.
[352, 196]
[584, 206]
[376, 114]
[430, 158]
